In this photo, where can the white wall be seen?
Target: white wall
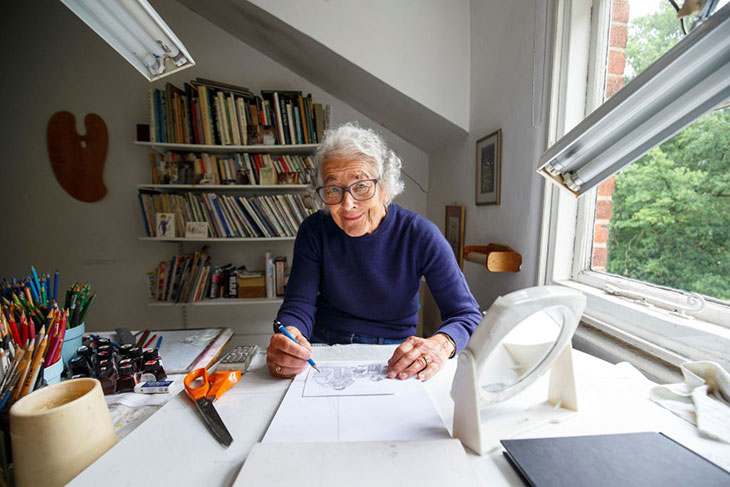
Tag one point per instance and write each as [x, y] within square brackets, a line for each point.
[501, 97]
[54, 62]
[419, 47]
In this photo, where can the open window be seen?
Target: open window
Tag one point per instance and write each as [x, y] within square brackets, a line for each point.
[640, 145]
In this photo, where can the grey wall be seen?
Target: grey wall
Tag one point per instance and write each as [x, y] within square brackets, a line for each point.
[55, 62]
[501, 97]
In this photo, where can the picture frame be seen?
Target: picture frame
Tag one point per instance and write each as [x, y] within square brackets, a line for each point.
[489, 169]
[454, 231]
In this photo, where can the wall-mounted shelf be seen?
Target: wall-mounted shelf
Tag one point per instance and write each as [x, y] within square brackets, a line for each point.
[222, 302]
[225, 187]
[210, 239]
[227, 149]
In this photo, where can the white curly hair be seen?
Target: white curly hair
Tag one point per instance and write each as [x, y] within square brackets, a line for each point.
[352, 141]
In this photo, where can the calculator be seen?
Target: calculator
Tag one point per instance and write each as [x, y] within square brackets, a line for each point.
[238, 358]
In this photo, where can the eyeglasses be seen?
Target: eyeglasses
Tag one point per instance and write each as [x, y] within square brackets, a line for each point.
[360, 190]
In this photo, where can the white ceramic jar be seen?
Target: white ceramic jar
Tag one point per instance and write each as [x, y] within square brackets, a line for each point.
[59, 430]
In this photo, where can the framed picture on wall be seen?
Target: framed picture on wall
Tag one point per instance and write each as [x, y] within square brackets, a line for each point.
[489, 169]
[454, 230]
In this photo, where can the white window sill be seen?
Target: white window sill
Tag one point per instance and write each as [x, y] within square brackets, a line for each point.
[670, 338]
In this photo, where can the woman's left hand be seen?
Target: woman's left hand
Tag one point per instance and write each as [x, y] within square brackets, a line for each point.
[422, 356]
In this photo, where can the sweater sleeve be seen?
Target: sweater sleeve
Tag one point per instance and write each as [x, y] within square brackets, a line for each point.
[301, 291]
[459, 310]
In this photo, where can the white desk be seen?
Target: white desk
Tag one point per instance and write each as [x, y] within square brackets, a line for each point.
[174, 447]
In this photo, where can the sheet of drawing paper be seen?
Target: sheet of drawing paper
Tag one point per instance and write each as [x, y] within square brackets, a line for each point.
[368, 464]
[405, 415]
[349, 379]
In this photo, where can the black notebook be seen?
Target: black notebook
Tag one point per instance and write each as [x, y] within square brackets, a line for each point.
[625, 460]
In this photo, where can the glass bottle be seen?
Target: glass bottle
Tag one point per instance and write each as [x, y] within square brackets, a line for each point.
[108, 379]
[126, 381]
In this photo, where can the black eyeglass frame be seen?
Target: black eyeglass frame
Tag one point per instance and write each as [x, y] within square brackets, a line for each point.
[348, 189]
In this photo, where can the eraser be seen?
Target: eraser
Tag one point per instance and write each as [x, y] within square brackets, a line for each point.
[154, 387]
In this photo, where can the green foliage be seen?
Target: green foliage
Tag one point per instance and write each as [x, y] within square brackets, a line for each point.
[650, 36]
[671, 209]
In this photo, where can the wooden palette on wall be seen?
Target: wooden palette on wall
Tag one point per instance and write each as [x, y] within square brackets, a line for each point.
[78, 160]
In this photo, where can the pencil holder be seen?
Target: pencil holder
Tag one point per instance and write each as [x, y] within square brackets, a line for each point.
[52, 374]
[72, 341]
[59, 430]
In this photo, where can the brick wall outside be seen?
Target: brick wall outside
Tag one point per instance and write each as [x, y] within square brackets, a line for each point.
[618, 35]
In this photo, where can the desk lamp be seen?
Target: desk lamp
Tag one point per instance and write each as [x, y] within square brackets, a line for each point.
[522, 335]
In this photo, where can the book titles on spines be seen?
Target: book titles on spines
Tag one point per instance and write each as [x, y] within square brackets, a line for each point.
[215, 113]
[192, 278]
[237, 168]
[168, 215]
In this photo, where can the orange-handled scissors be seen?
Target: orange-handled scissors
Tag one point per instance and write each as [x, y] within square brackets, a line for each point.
[213, 386]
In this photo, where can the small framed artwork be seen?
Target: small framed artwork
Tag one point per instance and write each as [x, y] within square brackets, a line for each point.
[165, 225]
[454, 230]
[489, 169]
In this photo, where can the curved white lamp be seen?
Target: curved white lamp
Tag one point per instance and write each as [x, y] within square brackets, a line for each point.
[522, 335]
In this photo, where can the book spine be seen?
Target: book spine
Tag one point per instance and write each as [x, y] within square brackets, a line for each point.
[269, 263]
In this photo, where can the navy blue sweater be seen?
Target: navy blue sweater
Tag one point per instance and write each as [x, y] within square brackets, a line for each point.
[370, 284]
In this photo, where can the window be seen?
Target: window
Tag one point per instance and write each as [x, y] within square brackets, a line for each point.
[650, 246]
[666, 218]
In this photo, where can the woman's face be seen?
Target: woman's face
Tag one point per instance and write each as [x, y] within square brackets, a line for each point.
[355, 218]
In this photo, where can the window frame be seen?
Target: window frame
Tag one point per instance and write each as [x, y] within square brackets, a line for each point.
[577, 88]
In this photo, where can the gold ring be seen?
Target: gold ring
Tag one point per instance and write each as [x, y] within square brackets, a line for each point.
[426, 359]
[278, 369]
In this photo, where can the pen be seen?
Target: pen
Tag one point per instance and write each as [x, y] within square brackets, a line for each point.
[288, 335]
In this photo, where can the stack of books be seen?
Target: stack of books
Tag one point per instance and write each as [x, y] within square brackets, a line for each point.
[263, 216]
[215, 113]
[192, 278]
[238, 168]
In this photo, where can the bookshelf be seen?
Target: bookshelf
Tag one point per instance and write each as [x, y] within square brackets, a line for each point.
[223, 190]
[214, 239]
[298, 149]
[217, 152]
[223, 302]
[243, 188]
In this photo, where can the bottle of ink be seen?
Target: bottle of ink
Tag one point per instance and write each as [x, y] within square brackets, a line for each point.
[108, 379]
[124, 349]
[135, 355]
[79, 366]
[102, 341]
[126, 381]
[150, 354]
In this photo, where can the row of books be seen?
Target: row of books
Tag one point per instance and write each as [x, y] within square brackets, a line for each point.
[239, 168]
[226, 216]
[192, 278]
[216, 113]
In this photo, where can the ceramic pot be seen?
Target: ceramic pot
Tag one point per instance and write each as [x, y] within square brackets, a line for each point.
[59, 430]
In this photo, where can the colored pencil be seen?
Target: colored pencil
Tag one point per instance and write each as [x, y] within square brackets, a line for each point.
[150, 340]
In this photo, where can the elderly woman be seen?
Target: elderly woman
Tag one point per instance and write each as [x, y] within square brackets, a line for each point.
[358, 264]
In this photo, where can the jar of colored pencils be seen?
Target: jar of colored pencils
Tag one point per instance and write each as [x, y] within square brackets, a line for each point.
[72, 341]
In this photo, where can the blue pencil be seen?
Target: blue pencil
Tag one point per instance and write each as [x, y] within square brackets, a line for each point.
[286, 333]
[35, 278]
[55, 286]
[159, 343]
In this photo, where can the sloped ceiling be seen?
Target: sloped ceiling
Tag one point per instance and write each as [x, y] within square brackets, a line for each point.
[315, 62]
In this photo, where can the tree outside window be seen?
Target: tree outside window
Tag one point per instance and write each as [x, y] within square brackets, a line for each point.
[666, 218]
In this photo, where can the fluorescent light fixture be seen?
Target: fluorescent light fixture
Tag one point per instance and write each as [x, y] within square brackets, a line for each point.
[689, 80]
[135, 30]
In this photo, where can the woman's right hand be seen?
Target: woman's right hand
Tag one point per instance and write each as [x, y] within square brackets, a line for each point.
[285, 358]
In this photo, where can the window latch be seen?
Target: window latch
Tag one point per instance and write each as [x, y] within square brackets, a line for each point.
[695, 302]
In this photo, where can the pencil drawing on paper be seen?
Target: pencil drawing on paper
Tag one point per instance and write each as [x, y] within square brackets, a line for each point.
[342, 377]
